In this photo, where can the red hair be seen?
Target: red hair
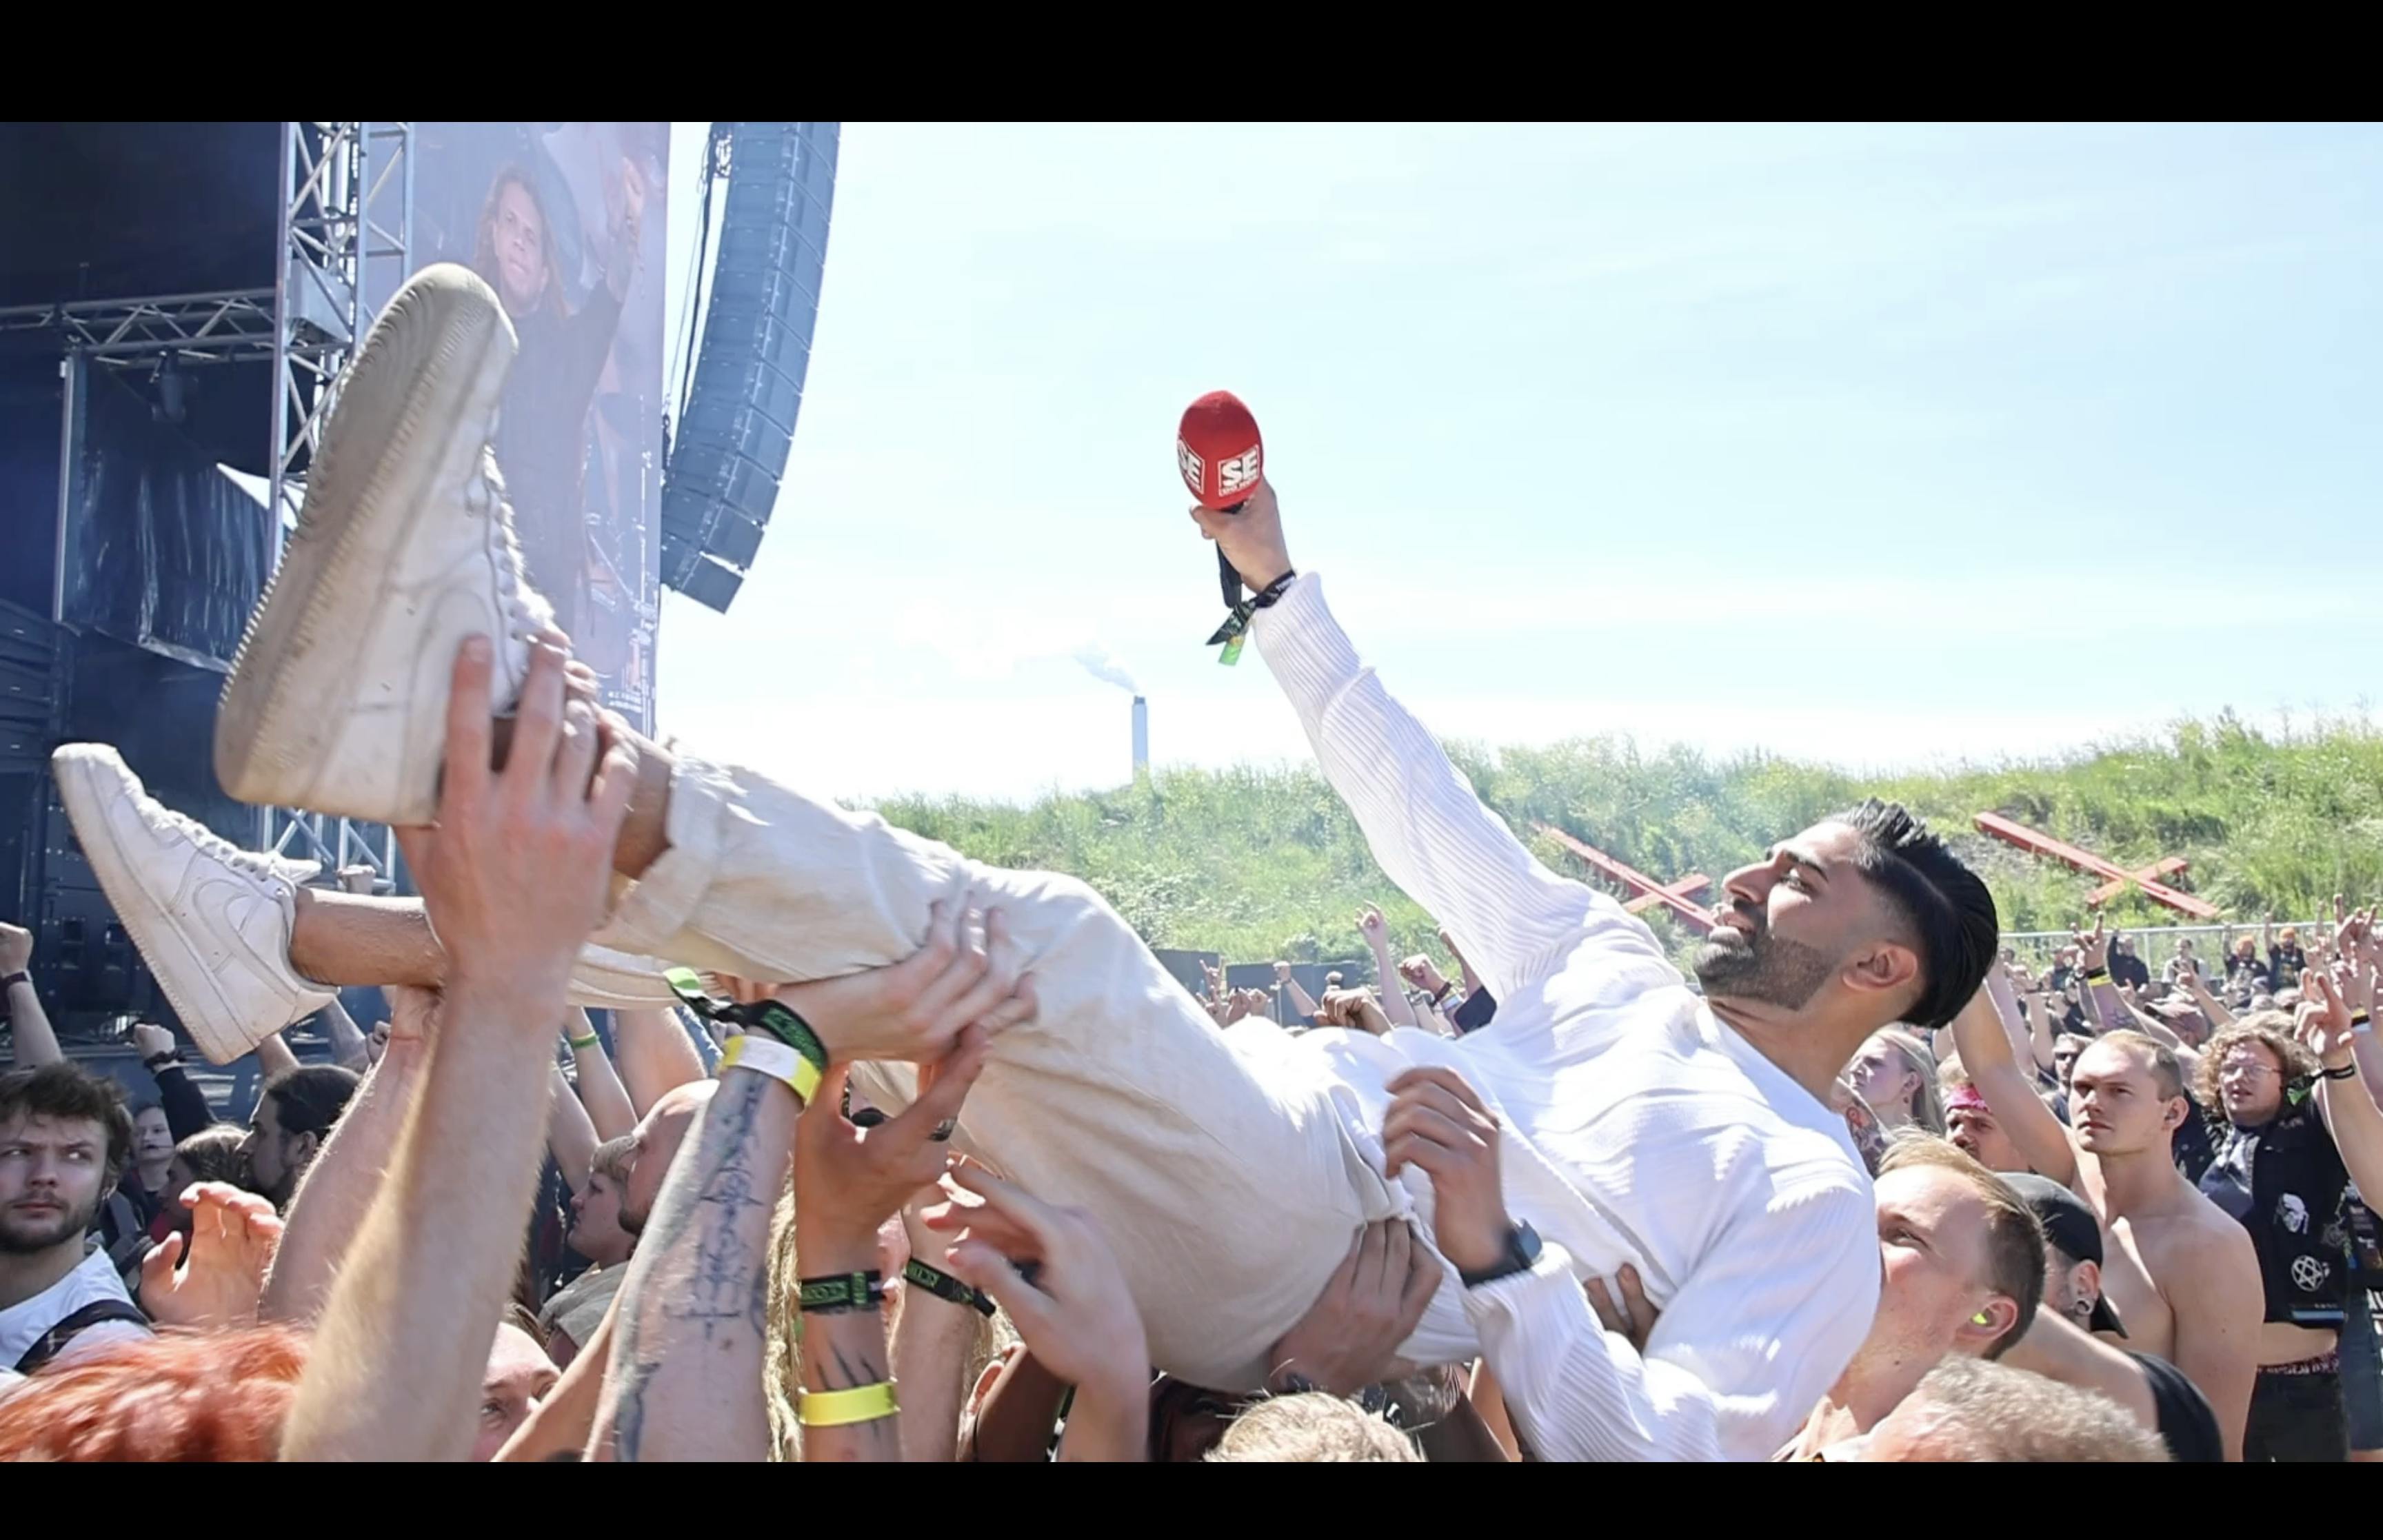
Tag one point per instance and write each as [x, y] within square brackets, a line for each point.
[182, 1396]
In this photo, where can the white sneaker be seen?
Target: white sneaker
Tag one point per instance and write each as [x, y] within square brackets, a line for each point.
[213, 922]
[405, 547]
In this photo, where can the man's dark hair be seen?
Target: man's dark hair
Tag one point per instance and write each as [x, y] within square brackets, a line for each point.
[66, 1091]
[308, 1100]
[1950, 912]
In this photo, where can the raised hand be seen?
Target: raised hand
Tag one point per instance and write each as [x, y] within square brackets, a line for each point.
[913, 1011]
[15, 947]
[1075, 1314]
[515, 873]
[150, 1040]
[2093, 951]
[1374, 928]
[2322, 1021]
[1437, 1122]
[849, 1180]
[1420, 971]
[233, 1236]
[1253, 539]
[1634, 1317]
[1349, 1337]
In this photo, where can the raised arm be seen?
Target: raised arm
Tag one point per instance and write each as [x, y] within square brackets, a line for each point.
[338, 1189]
[2347, 1103]
[274, 1057]
[1984, 1045]
[656, 1055]
[347, 1049]
[692, 1316]
[569, 1133]
[2211, 1006]
[185, 1104]
[34, 1044]
[1429, 830]
[931, 1338]
[1377, 932]
[1301, 1000]
[600, 1087]
[515, 875]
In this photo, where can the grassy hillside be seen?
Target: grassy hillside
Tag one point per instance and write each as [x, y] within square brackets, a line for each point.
[1267, 863]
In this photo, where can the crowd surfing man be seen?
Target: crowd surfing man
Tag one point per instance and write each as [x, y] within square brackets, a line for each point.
[1613, 1117]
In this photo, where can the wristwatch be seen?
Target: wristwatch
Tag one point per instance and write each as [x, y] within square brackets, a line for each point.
[1522, 1255]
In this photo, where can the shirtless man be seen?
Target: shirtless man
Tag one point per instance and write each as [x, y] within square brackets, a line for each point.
[2180, 1273]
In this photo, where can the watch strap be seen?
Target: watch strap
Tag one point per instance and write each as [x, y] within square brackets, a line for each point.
[1522, 1254]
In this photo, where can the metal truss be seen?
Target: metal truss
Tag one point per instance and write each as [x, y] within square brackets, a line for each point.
[232, 326]
[348, 202]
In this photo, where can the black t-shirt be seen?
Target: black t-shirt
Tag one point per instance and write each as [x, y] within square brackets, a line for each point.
[2284, 965]
[2128, 970]
[1474, 1013]
[2284, 1183]
[2187, 1426]
[2190, 1145]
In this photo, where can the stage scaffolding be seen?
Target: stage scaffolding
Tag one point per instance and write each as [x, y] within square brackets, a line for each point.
[347, 202]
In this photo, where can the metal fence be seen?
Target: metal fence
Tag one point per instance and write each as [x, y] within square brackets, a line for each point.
[2156, 944]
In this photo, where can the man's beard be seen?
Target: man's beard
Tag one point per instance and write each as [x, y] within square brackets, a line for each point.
[21, 1238]
[1763, 967]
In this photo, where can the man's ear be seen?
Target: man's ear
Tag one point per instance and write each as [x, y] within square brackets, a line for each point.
[1992, 1319]
[1883, 967]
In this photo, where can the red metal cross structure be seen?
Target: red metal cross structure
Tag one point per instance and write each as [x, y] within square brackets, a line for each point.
[2117, 880]
[1648, 892]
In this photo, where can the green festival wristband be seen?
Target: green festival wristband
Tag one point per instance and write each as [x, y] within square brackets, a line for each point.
[770, 1016]
[844, 1291]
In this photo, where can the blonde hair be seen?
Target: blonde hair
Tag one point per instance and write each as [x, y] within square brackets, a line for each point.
[1313, 1428]
[782, 1375]
[2271, 1030]
[1976, 1411]
[2167, 1070]
[2014, 1234]
[1927, 1109]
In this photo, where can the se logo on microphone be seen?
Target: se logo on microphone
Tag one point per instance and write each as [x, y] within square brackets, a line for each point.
[1239, 471]
[1194, 468]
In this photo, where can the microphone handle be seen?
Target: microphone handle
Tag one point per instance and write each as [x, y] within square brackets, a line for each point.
[1228, 580]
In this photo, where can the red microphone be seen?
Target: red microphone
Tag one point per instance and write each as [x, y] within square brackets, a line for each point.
[1223, 461]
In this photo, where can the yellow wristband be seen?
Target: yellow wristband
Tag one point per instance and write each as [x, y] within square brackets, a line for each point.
[834, 1409]
[768, 1056]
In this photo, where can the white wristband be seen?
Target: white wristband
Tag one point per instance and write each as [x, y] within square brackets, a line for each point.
[766, 1055]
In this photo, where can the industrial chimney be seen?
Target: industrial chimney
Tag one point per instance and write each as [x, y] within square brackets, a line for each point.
[1140, 737]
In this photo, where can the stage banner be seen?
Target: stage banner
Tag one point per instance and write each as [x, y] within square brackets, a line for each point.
[564, 221]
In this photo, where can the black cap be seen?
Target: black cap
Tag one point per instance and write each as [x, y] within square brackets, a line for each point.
[2069, 1229]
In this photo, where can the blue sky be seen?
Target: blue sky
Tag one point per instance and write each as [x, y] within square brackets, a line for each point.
[1886, 446]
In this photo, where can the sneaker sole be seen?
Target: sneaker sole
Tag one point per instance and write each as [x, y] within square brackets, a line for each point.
[87, 789]
[428, 377]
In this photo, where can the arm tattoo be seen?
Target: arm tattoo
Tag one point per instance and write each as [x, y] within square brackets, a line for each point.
[697, 1270]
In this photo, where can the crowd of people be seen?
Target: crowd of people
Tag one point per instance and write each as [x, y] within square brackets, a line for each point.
[893, 1155]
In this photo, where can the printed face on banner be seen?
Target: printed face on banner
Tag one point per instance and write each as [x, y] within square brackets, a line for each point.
[565, 222]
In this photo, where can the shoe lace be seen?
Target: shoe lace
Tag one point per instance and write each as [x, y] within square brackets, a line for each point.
[527, 613]
[255, 863]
